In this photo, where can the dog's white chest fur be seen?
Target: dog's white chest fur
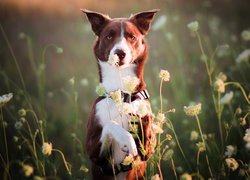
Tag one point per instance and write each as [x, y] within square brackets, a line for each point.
[112, 76]
[115, 126]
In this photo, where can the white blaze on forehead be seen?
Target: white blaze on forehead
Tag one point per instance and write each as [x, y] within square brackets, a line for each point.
[122, 44]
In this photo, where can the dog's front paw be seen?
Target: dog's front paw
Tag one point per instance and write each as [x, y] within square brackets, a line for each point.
[127, 144]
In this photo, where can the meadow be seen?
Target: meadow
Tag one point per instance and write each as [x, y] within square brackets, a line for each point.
[48, 80]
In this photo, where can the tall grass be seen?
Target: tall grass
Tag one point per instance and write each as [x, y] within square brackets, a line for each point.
[212, 143]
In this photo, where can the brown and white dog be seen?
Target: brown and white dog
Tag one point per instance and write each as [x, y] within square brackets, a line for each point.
[109, 140]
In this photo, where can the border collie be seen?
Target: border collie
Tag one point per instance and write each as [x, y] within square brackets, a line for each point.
[119, 130]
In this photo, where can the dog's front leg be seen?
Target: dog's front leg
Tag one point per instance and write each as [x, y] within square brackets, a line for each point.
[114, 132]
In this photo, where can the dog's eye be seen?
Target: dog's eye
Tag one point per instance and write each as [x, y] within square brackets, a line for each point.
[109, 37]
[132, 37]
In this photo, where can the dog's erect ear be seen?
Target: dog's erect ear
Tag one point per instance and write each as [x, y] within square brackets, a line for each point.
[143, 20]
[97, 20]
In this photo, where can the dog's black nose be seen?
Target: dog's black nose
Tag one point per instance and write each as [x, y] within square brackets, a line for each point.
[120, 53]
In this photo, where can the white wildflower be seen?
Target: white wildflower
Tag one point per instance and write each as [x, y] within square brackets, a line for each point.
[192, 110]
[18, 125]
[159, 23]
[194, 135]
[15, 138]
[47, 148]
[232, 164]
[186, 176]
[169, 137]
[243, 56]
[157, 128]
[172, 110]
[128, 160]
[227, 98]
[141, 108]
[155, 177]
[127, 108]
[84, 169]
[22, 112]
[201, 146]
[219, 85]
[72, 81]
[193, 26]
[28, 170]
[245, 35]
[59, 50]
[113, 60]
[130, 83]
[160, 118]
[246, 138]
[164, 75]
[116, 96]
[5, 98]
[222, 76]
[230, 150]
[84, 82]
[124, 108]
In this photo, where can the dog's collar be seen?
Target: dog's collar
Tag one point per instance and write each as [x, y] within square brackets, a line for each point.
[135, 96]
[128, 98]
[116, 169]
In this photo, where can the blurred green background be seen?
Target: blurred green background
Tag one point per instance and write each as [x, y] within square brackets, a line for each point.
[31, 26]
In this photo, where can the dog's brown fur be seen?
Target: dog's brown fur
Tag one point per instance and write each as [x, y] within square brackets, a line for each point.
[103, 26]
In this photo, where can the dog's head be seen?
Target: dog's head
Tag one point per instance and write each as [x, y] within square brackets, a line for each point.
[122, 37]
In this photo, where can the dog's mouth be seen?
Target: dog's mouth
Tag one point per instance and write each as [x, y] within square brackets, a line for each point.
[120, 63]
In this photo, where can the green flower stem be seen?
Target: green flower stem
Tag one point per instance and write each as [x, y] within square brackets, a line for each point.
[203, 141]
[159, 136]
[41, 76]
[219, 112]
[26, 95]
[198, 162]
[142, 132]
[159, 168]
[80, 143]
[40, 127]
[14, 58]
[64, 160]
[33, 147]
[211, 87]
[178, 144]
[241, 88]
[161, 95]
[30, 53]
[76, 111]
[5, 138]
[173, 167]
[5, 164]
[159, 155]
[6, 169]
